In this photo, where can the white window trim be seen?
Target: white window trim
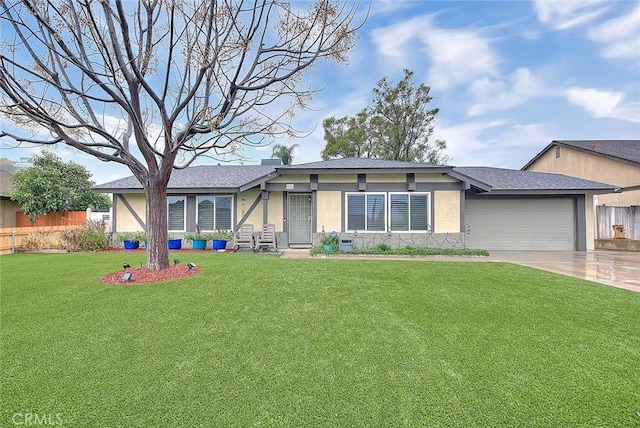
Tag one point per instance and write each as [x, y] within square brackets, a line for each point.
[233, 207]
[184, 215]
[385, 195]
[427, 194]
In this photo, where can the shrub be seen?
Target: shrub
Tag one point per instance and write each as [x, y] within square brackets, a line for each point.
[36, 241]
[91, 236]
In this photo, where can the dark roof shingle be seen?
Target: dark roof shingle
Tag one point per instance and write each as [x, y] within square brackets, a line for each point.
[229, 177]
[511, 179]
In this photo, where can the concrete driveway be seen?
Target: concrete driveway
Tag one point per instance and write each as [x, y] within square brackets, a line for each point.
[617, 268]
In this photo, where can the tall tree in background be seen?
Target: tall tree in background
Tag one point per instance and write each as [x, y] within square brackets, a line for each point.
[154, 84]
[53, 185]
[348, 137]
[397, 125]
[284, 153]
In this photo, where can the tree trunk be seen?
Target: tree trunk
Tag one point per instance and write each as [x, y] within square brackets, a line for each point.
[157, 251]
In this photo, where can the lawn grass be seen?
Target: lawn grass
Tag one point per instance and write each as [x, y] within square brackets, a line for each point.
[257, 340]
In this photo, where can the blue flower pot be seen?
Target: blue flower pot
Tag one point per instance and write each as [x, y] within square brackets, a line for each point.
[131, 245]
[219, 244]
[199, 244]
[327, 247]
[174, 244]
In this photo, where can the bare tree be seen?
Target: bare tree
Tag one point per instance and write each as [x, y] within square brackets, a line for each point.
[155, 84]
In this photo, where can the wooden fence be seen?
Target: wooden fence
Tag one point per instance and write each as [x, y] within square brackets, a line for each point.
[12, 238]
[72, 218]
[628, 217]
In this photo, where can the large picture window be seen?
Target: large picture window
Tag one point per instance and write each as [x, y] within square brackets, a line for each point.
[215, 212]
[366, 212]
[409, 212]
[176, 213]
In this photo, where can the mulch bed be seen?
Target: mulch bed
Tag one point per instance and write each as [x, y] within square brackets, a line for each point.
[146, 276]
[143, 275]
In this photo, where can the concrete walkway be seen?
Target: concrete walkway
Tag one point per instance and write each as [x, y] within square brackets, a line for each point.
[616, 268]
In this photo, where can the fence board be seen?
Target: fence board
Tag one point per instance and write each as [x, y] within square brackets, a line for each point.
[71, 218]
[629, 217]
[13, 237]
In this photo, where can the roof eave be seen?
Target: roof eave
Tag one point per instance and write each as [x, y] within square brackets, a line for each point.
[426, 170]
[565, 192]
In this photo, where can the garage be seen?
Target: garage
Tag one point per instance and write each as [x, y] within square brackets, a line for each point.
[536, 224]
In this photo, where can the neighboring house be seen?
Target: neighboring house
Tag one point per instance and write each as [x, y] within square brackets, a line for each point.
[610, 161]
[8, 208]
[372, 201]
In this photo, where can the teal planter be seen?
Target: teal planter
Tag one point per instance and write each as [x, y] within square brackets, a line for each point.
[199, 244]
[327, 247]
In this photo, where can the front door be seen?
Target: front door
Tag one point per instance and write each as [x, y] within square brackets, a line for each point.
[299, 219]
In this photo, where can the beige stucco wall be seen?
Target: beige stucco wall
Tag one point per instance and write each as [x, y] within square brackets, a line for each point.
[291, 178]
[575, 163]
[338, 178]
[276, 210]
[125, 221]
[244, 201]
[329, 211]
[8, 210]
[434, 178]
[446, 211]
[386, 178]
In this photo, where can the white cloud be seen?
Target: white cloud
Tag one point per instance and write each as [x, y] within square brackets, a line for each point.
[456, 56]
[620, 36]
[502, 94]
[563, 15]
[603, 104]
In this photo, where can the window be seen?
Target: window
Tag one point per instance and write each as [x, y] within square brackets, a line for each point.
[557, 152]
[409, 212]
[366, 212]
[175, 213]
[215, 212]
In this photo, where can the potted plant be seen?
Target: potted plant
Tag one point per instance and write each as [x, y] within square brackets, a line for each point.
[174, 243]
[220, 239]
[330, 242]
[198, 239]
[131, 240]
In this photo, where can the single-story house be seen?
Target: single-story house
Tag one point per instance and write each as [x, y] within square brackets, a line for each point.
[372, 201]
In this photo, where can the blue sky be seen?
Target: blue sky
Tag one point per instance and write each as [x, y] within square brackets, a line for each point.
[508, 77]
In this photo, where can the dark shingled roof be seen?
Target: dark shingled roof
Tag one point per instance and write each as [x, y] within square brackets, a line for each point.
[627, 151]
[511, 179]
[229, 177]
[359, 163]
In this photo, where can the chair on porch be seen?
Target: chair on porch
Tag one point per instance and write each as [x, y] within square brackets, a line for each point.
[266, 238]
[244, 238]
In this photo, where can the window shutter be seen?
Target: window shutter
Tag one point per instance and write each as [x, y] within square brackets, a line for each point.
[355, 214]
[419, 212]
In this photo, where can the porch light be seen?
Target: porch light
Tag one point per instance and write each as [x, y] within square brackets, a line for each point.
[355, 233]
[323, 231]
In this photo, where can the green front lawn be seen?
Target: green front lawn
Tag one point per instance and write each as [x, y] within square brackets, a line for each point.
[260, 341]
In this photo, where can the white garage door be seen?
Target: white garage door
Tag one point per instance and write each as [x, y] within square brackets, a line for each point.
[521, 224]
